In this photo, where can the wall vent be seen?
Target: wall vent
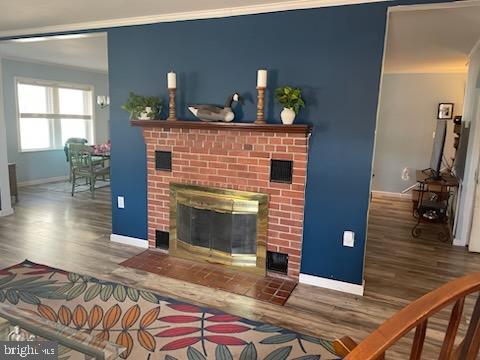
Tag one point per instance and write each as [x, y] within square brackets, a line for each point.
[277, 262]
[281, 171]
[163, 160]
[161, 239]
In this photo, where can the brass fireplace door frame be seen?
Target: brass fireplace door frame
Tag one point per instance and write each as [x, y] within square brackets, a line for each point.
[226, 201]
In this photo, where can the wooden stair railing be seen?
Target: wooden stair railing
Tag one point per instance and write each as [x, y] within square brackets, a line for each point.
[415, 316]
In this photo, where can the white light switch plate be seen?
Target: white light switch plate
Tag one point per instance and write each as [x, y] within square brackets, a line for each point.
[121, 202]
[348, 238]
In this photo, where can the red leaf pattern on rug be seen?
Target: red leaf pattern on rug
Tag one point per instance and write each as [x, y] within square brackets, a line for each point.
[225, 340]
[227, 328]
[223, 318]
[178, 331]
[180, 344]
[179, 319]
[185, 308]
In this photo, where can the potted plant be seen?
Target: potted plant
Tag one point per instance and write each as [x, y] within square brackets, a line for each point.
[291, 99]
[141, 107]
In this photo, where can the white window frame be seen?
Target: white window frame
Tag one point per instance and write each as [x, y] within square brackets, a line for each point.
[55, 127]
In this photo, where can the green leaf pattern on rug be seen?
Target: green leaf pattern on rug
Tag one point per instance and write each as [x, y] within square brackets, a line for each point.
[148, 296]
[92, 292]
[194, 354]
[106, 292]
[120, 293]
[133, 294]
[279, 354]
[76, 291]
[279, 339]
[223, 353]
[249, 352]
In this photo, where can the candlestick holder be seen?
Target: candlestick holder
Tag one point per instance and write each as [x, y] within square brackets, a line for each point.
[172, 116]
[260, 105]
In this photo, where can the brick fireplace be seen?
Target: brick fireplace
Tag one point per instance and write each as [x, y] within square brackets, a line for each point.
[231, 156]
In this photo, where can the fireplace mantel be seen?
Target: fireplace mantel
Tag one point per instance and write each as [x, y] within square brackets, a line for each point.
[196, 124]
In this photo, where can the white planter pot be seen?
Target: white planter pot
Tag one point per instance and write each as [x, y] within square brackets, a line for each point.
[144, 114]
[288, 116]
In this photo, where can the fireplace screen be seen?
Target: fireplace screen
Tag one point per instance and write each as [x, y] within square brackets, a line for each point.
[226, 232]
[217, 225]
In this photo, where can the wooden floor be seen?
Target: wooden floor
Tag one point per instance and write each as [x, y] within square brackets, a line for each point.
[73, 233]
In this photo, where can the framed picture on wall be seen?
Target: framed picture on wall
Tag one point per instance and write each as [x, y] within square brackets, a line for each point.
[445, 111]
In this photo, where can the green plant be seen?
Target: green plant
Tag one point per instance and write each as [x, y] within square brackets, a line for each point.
[290, 98]
[136, 104]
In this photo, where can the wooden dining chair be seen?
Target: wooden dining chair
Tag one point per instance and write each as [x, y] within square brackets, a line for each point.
[415, 316]
[84, 166]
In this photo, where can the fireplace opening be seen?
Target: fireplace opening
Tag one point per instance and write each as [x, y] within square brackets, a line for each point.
[219, 225]
[226, 232]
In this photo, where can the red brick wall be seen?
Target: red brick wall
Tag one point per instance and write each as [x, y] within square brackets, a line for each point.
[237, 160]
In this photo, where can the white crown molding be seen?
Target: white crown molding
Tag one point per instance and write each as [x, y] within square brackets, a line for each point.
[434, 6]
[423, 71]
[127, 240]
[183, 16]
[48, 63]
[332, 284]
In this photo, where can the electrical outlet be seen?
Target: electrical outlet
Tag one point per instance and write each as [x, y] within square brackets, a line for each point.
[121, 202]
[348, 238]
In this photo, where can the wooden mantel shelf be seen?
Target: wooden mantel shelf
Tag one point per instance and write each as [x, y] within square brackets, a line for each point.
[197, 124]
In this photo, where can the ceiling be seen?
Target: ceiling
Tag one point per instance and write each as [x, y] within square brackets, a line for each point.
[87, 51]
[435, 40]
[19, 15]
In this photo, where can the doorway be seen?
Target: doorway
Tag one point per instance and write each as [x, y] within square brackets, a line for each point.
[55, 93]
[426, 64]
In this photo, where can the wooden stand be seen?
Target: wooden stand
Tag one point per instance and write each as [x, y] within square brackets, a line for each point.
[172, 116]
[433, 210]
[260, 106]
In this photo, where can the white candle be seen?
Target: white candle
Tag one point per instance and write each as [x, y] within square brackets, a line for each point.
[262, 78]
[172, 80]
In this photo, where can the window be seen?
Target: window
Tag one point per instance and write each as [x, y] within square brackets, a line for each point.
[50, 113]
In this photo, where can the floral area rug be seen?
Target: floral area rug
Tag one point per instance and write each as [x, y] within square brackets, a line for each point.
[150, 325]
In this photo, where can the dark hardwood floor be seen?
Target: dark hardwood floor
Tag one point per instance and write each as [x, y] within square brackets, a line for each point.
[73, 233]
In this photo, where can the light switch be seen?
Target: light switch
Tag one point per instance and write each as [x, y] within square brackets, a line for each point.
[348, 238]
[121, 202]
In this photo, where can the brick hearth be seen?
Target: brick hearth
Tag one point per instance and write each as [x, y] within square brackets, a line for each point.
[234, 159]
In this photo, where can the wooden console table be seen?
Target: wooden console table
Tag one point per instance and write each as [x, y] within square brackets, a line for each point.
[431, 202]
[12, 175]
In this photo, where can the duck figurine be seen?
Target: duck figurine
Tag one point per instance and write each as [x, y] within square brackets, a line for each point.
[216, 113]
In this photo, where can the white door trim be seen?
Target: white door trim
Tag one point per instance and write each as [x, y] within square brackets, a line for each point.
[6, 200]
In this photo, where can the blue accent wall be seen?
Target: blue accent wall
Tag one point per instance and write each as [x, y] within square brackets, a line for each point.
[334, 54]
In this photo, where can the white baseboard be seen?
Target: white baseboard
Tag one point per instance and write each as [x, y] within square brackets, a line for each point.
[332, 284]
[6, 212]
[458, 242]
[377, 194]
[42, 181]
[127, 240]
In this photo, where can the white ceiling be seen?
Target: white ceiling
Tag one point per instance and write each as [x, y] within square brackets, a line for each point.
[438, 40]
[88, 51]
[18, 15]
